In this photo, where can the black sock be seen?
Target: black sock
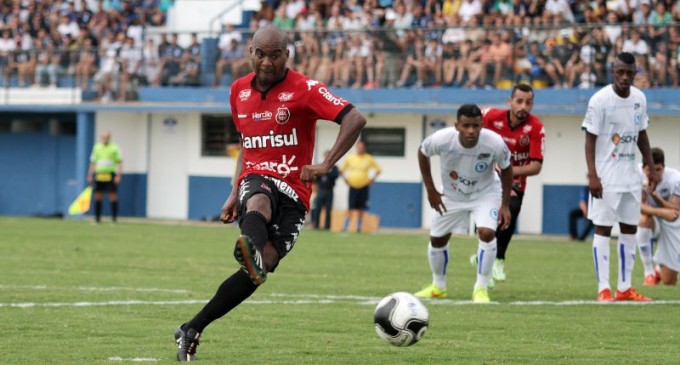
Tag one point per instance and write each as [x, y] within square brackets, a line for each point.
[97, 210]
[254, 225]
[114, 210]
[231, 293]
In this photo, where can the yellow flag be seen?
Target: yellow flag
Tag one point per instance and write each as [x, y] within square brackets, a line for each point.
[82, 203]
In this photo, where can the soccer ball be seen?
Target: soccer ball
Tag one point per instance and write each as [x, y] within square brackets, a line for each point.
[400, 319]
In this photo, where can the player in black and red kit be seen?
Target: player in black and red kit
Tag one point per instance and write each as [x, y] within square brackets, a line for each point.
[525, 136]
[275, 109]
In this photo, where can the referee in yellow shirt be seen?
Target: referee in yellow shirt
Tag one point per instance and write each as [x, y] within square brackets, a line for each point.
[356, 171]
[105, 169]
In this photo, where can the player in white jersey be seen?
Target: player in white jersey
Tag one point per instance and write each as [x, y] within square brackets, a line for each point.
[469, 156]
[658, 214]
[615, 124]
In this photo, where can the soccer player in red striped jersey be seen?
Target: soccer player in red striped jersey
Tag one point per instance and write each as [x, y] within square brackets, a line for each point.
[275, 110]
[524, 135]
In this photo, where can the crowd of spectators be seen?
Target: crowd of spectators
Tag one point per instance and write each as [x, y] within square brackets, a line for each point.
[348, 43]
[478, 43]
[100, 40]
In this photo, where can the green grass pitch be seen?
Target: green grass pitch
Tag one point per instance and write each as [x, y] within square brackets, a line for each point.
[74, 293]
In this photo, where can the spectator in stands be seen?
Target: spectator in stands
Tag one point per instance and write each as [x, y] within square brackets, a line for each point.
[228, 33]
[109, 71]
[432, 61]
[131, 63]
[195, 48]
[469, 9]
[7, 46]
[170, 60]
[664, 66]
[500, 57]
[234, 59]
[190, 71]
[635, 44]
[413, 63]
[86, 65]
[49, 66]
[150, 62]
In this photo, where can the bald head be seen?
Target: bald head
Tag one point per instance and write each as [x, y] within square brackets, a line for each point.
[106, 137]
[270, 36]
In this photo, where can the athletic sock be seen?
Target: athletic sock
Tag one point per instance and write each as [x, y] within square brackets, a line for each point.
[626, 250]
[486, 254]
[439, 259]
[345, 226]
[644, 241]
[359, 225]
[97, 210]
[254, 225]
[601, 253]
[114, 210]
[237, 288]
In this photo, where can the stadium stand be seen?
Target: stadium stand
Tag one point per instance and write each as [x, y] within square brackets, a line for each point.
[112, 47]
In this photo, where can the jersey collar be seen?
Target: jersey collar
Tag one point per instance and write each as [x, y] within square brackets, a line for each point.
[264, 93]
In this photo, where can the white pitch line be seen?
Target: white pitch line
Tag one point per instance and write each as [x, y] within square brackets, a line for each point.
[323, 300]
[134, 359]
[92, 288]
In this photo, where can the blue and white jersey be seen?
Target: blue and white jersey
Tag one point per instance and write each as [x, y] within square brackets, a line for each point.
[616, 122]
[465, 172]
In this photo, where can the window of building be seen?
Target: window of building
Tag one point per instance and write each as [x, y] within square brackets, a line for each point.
[218, 132]
[389, 142]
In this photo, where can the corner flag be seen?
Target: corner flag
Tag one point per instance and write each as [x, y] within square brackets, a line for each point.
[82, 203]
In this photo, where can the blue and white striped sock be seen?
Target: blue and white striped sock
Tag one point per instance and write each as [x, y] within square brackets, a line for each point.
[626, 248]
[644, 241]
[486, 254]
[601, 253]
[439, 259]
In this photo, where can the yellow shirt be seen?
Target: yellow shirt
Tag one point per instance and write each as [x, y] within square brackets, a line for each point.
[358, 168]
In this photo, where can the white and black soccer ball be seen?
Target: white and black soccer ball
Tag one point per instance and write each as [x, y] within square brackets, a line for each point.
[401, 319]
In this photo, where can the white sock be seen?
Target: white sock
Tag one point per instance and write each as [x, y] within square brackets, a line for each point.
[486, 254]
[626, 248]
[439, 259]
[644, 241]
[601, 257]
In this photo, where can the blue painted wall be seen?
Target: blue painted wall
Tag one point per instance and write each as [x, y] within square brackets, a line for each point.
[37, 173]
[397, 204]
[558, 201]
[207, 195]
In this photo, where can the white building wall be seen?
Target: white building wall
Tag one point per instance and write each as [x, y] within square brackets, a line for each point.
[170, 154]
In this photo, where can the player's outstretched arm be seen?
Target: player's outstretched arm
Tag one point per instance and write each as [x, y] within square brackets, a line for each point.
[350, 129]
[433, 196]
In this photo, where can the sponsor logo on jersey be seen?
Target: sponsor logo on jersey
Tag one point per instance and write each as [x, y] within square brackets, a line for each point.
[283, 168]
[619, 139]
[638, 118]
[483, 156]
[311, 84]
[284, 96]
[260, 116]
[481, 166]
[527, 128]
[623, 156]
[244, 94]
[524, 140]
[242, 116]
[498, 124]
[266, 187]
[637, 106]
[461, 180]
[330, 97]
[520, 156]
[270, 140]
[282, 115]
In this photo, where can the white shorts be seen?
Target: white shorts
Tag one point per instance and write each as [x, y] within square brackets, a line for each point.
[668, 245]
[615, 208]
[457, 215]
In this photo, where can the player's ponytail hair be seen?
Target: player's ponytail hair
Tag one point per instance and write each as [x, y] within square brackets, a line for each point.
[469, 110]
